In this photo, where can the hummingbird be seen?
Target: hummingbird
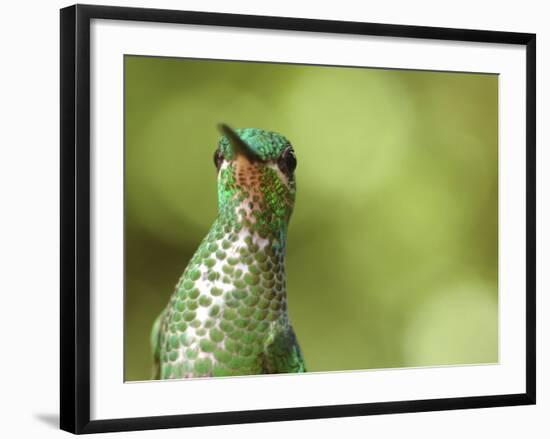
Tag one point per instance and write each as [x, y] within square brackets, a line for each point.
[228, 313]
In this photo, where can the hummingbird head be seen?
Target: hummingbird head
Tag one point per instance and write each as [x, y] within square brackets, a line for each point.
[256, 183]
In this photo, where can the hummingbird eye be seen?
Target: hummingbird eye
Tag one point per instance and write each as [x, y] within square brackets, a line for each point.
[218, 159]
[287, 161]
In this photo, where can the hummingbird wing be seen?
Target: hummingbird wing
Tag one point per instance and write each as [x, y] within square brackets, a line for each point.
[282, 352]
[155, 345]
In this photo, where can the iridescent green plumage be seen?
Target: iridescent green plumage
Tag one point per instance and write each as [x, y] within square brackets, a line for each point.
[266, 145]
[228, 313]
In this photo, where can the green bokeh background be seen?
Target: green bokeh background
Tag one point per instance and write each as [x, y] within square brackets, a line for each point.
[392, 254]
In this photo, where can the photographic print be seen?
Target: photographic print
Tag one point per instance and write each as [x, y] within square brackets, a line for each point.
[314, 219]
[293, 218]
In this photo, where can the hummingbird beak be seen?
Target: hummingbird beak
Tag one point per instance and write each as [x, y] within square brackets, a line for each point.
[239, 146]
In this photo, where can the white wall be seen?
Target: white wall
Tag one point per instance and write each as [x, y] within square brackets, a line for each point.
[29, 217]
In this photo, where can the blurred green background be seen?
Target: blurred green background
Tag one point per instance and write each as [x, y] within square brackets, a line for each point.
[393, 245]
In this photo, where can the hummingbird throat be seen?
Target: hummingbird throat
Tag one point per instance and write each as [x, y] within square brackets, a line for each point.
[243, 254]
[254, 197]
[242, 257]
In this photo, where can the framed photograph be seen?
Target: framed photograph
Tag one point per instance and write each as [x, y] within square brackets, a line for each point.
[268, 218]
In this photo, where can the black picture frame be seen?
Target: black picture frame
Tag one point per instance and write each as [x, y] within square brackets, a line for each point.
[75, 217]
